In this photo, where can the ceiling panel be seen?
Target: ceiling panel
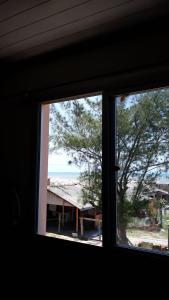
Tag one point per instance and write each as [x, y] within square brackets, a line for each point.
[75, 19]
[28, 25]
[13, 8]
[38, 14]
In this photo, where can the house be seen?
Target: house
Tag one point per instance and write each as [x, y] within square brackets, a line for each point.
[163, 185]
[160, 193]
[65, 204]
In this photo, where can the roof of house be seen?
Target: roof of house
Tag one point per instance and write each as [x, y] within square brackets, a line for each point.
[163, 192]
[70, 193]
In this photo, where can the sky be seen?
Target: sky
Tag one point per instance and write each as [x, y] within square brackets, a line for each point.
[59, 163]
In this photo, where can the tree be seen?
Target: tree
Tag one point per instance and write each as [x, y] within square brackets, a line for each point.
[142, 147]
[76, 128]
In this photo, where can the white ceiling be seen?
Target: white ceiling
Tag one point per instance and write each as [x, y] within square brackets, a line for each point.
[28, 28]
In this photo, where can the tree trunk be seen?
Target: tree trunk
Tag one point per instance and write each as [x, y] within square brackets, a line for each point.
[121, 221]
[161, 218]
[122, 235]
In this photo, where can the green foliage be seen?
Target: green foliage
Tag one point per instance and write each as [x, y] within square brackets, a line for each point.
[140, 208]
[125, 213]
[166, 222]
[92, 182]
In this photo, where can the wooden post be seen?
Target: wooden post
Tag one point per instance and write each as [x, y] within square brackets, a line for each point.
[81, 226]
[63, 211]
[168, 237]
[59, 222]
[99, 229]
[72, 208]
[77, 217]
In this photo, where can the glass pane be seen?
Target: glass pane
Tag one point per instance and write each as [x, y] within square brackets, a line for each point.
[74, 208]
[143, 180]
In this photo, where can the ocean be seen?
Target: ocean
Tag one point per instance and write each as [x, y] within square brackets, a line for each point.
[164, 178]
[64, 175]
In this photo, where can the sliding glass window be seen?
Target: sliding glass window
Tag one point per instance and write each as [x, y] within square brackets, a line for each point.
[142, 154]
[72, 170]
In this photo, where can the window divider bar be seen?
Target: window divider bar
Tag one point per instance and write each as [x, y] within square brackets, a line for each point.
[108, 170]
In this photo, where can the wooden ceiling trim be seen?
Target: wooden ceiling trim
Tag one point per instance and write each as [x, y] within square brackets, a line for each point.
[11, 9]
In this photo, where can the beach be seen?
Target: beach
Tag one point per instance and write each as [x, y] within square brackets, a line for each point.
[63, 178]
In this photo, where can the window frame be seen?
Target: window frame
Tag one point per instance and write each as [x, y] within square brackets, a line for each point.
[108, 146]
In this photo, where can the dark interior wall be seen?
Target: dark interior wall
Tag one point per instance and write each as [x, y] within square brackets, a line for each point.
[126, 51]
[17, 157]
[138, 58]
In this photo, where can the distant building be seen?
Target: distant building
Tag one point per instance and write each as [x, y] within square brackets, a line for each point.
[64, 204]
[160, 193]
[163, 186]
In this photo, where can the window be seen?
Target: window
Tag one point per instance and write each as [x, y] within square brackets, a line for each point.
[93, 149]
[70, 202]
[142, 154]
